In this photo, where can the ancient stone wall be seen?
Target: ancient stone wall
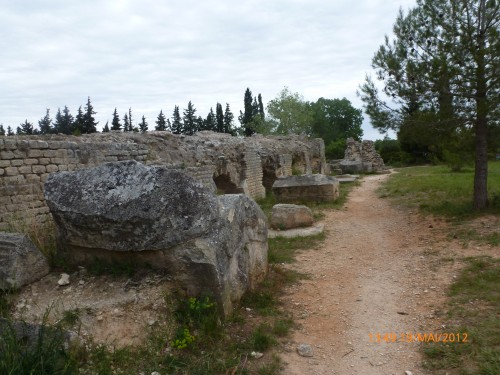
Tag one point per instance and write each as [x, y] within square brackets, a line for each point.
[222, 162]
[361, 157]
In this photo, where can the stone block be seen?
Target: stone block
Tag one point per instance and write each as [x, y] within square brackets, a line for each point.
[315, 187]
[38, 169]
[21, 263]
[126, 211]
[26, 169]
[51, 168]
[30, 161]
[44, 161]
[5, 155]
[11, 171]
[4, 163]
[16, 162]
[38, 144]
[288, 216]
[36, 153]
[10, 144]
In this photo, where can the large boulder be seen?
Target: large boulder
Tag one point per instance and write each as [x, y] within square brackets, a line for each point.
[288, 216]
[129, 212]
[312, 187]
[21, 263]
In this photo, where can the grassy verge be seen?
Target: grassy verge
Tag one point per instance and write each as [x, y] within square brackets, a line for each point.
[436, 190]
[473, 309]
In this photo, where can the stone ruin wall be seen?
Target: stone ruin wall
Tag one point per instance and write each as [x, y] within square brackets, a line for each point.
[361, 157]
[224, 163]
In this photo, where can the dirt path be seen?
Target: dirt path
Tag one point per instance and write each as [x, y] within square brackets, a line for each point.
[379, 271]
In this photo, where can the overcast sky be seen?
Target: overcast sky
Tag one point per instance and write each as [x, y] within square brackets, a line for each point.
[151, 55]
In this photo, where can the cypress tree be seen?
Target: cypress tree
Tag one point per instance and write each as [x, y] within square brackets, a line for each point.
[160, 122]
[2, 130]
[210, 122]
[45, 124]
[130, 123]
[246, 117]
[177, 127]
[9, 131]
[106, 127]
[126, 123]
[219, 118]
[115, 123]
[261, 107]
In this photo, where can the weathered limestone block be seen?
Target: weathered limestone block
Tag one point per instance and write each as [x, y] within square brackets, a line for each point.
[21, 263]
[126, 211]
[288, 216]
[350, 166]
[314, 187]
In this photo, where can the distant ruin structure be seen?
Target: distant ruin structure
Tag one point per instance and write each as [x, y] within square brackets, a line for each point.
[361, 157]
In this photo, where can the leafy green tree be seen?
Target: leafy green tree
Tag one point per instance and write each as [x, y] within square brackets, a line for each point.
[143, 125]
[45, 123]
[64, 121]
[290, 113]
[190, 120]
[334, 119]
[444, 59]
[89, 124]
[177, 126]
[161, 124]
[106, 127]
[219, 118]
[2, 130]
[115, 122]
[228, 120]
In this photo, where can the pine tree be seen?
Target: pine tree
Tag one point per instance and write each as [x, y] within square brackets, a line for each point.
[25, 128]
[189, 120]
[219, 119]
[45, 124]
[143, 125]
[115, 123]
[89, 125]
[160, 122]
[228, 120]
[177, 126]
[2, 130]
[9, 131]
[64, 121]
[106, 127]
[78, 125]
[168, 125]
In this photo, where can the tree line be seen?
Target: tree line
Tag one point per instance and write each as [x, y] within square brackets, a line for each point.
[334, 120]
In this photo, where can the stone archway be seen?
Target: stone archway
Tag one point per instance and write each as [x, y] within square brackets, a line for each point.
[225, 185]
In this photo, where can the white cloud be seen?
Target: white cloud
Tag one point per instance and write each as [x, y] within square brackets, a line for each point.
[152, 55]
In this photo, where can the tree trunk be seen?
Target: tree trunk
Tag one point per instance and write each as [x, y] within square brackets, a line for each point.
[481, 127]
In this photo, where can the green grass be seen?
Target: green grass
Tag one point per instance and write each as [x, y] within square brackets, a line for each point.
[474, 303]
[437, 190]
[283, 250]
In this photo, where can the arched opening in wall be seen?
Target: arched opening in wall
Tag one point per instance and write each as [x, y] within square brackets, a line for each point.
[298, 166]
[226, 186]
[268, 178]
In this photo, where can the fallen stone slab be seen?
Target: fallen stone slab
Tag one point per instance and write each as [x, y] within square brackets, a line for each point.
[288, 216]
[347, 177]
[297, 232]
[21, 263]
[212, 245]
[313, 187]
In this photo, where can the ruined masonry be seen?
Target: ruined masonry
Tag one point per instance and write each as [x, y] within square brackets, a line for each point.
[223, 163]
[361, 157]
